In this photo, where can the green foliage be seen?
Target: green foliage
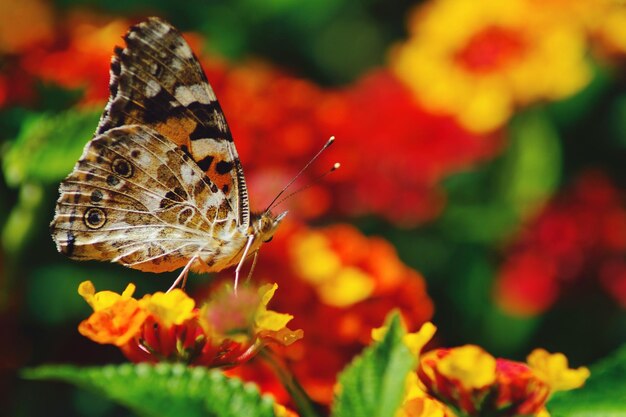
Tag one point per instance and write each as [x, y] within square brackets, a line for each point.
[165, 390]
[48, 146]
[373, 384]
[604, 393]
[533, 165]
[22, 224]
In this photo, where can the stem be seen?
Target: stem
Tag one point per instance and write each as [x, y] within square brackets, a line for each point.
[303, 402]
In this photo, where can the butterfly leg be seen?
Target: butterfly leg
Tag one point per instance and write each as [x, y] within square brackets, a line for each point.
[183, 275]
[256, 255]
[243, 258]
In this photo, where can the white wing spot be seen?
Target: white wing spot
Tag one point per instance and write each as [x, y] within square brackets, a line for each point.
[184, 51]
[204, 147]
[187, 174]
[152, 88]
[189, 94]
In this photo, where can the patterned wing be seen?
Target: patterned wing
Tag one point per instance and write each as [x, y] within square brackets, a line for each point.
[136, 198]
[157, 81]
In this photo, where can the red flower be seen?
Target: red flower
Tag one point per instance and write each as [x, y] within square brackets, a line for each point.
[404, 151]
[582, 233]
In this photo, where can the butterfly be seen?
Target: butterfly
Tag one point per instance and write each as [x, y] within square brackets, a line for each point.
[160, 185]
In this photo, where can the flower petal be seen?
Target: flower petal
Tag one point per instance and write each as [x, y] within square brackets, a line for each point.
[471, 365]
[174, 307]
[554, 369]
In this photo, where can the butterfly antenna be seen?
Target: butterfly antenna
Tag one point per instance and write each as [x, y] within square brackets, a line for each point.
[326, 145]
[335, 167]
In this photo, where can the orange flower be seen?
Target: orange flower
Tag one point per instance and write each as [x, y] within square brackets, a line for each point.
[83, 62]
[116, 318]
[15, 35]
[479, 61]
[345, 280]
[168, 326]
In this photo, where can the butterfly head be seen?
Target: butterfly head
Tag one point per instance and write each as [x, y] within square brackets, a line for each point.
[264, 225]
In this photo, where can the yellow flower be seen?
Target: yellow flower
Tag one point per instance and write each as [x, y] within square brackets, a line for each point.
[282, 411]
[267, 319]
[417, 403]
[554, 369]
[480, 60]
[414, 341]
[172, 308]
[337, 284]
[103, 299]
[469, 364]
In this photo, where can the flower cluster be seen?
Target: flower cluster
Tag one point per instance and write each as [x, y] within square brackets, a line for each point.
[376, 115]
[480, 61]
[339, 284]
[469, 381]
[581, 233]
[169, 326]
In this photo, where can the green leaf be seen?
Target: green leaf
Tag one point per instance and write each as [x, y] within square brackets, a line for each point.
[373, 384]
[165, 390]
[604, 393]
[48, 146]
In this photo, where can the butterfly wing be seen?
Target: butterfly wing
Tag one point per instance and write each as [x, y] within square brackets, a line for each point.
[136, 198]
[157, 81]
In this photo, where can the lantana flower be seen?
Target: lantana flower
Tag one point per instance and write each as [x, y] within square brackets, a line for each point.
[339, 284]
[481, 60]
[467, 380]
[170, 327]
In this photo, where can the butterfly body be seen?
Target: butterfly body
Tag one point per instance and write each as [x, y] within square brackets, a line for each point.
[160, 186]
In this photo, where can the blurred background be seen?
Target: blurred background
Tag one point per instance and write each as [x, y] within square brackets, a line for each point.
[482, 144]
